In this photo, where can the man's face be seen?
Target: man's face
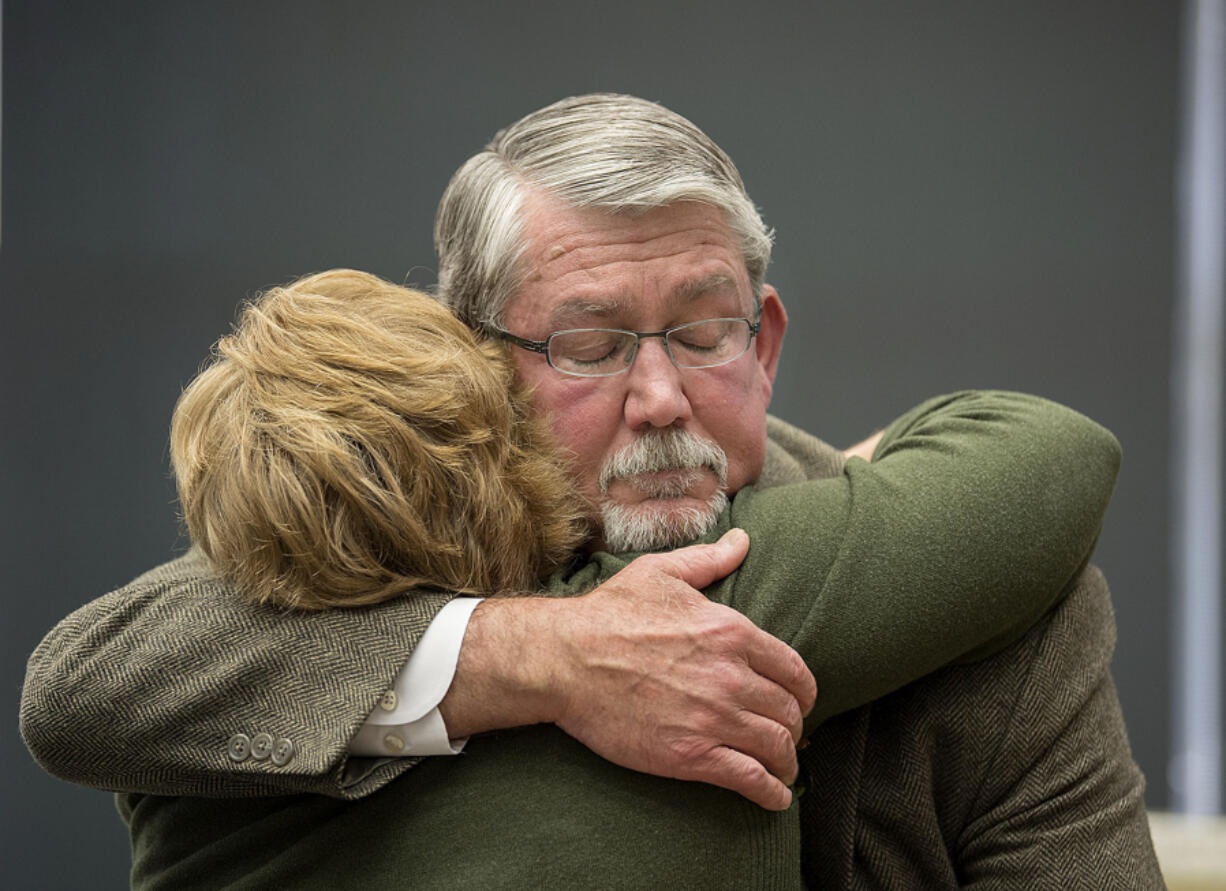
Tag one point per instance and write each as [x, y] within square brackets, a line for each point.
[669, 266]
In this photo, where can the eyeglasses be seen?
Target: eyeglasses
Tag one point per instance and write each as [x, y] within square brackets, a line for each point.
[600, 352]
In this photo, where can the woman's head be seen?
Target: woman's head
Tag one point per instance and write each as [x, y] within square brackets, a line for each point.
[351, 441]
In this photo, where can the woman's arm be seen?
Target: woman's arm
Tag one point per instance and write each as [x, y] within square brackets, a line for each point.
[144, 688]
[975, 516]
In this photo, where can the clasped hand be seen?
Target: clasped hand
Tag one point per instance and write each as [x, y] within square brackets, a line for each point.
[650, 674]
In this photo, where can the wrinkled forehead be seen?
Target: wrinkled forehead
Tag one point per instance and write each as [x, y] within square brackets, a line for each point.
[716, 290]
[591, 263]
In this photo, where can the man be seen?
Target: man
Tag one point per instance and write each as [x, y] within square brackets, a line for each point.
[601, 213]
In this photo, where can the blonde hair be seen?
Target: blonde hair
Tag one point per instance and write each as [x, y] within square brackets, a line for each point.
[352, 441]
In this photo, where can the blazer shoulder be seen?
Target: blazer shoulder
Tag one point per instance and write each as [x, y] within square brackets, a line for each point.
[191, 568]
[793, 456]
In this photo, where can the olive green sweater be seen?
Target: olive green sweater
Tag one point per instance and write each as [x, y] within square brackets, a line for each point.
[975, 515]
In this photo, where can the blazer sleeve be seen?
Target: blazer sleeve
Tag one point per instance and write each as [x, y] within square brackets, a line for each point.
[148, 688]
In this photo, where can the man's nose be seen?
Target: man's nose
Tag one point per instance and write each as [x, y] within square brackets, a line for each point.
[656, 393]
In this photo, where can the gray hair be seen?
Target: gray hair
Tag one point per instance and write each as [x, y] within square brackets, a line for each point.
[603, 150]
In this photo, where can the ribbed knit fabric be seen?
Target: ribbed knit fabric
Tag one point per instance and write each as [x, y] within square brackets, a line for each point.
[530, 808]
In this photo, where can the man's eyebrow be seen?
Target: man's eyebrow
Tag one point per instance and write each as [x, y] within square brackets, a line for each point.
[702, 287]
[577, 309]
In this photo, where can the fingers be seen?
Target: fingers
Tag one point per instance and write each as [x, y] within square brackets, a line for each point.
[776, 661]
[686, 687]
[700, 565]
[737, 772]
[769, 700]
[766, 742]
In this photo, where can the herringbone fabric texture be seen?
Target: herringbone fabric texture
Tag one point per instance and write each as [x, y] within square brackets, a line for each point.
[302, 669]
[1010, 773]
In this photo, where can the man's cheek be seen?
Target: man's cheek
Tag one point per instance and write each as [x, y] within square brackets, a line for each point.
[584, 425]
[584, 451]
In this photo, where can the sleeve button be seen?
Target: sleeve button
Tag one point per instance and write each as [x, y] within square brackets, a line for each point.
[261, 746]
[239, 747]
[388, 701]
[282, 751]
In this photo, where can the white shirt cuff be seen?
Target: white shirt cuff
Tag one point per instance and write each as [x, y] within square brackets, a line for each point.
[407, 720]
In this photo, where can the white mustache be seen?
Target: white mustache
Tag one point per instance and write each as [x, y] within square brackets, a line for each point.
[666, 450]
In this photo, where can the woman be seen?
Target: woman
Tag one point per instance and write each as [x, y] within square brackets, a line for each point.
[352, 442]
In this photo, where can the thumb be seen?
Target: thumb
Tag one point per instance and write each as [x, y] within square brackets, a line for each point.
[700, 565]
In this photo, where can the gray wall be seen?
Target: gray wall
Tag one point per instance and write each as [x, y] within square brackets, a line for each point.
[967, 194]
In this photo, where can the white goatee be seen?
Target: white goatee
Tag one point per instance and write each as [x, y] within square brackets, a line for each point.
[644, 527]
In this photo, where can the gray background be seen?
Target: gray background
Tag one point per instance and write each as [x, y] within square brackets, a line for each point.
[967, 194]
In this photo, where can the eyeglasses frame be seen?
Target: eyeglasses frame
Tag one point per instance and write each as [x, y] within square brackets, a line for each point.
[542, 346]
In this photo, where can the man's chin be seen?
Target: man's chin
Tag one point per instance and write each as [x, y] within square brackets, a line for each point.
[658, 523]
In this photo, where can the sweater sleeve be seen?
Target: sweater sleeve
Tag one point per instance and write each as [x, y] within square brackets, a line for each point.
[150, 689]
[975, 516]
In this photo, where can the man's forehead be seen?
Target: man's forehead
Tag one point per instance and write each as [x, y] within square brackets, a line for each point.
[584, 265]
[685, 291]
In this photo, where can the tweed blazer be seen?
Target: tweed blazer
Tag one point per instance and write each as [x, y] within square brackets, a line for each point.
[1012, 772]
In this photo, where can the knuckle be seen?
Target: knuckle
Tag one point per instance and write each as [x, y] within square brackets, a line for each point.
[792, 713]
[801, 678]
[803, 675]
[734, 690]
[750, 773]
[687, 752]
[648, 565]
[734, 628]
[781, 742]
[721, 628]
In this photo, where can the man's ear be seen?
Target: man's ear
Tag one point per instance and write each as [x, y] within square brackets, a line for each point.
[769, 341]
